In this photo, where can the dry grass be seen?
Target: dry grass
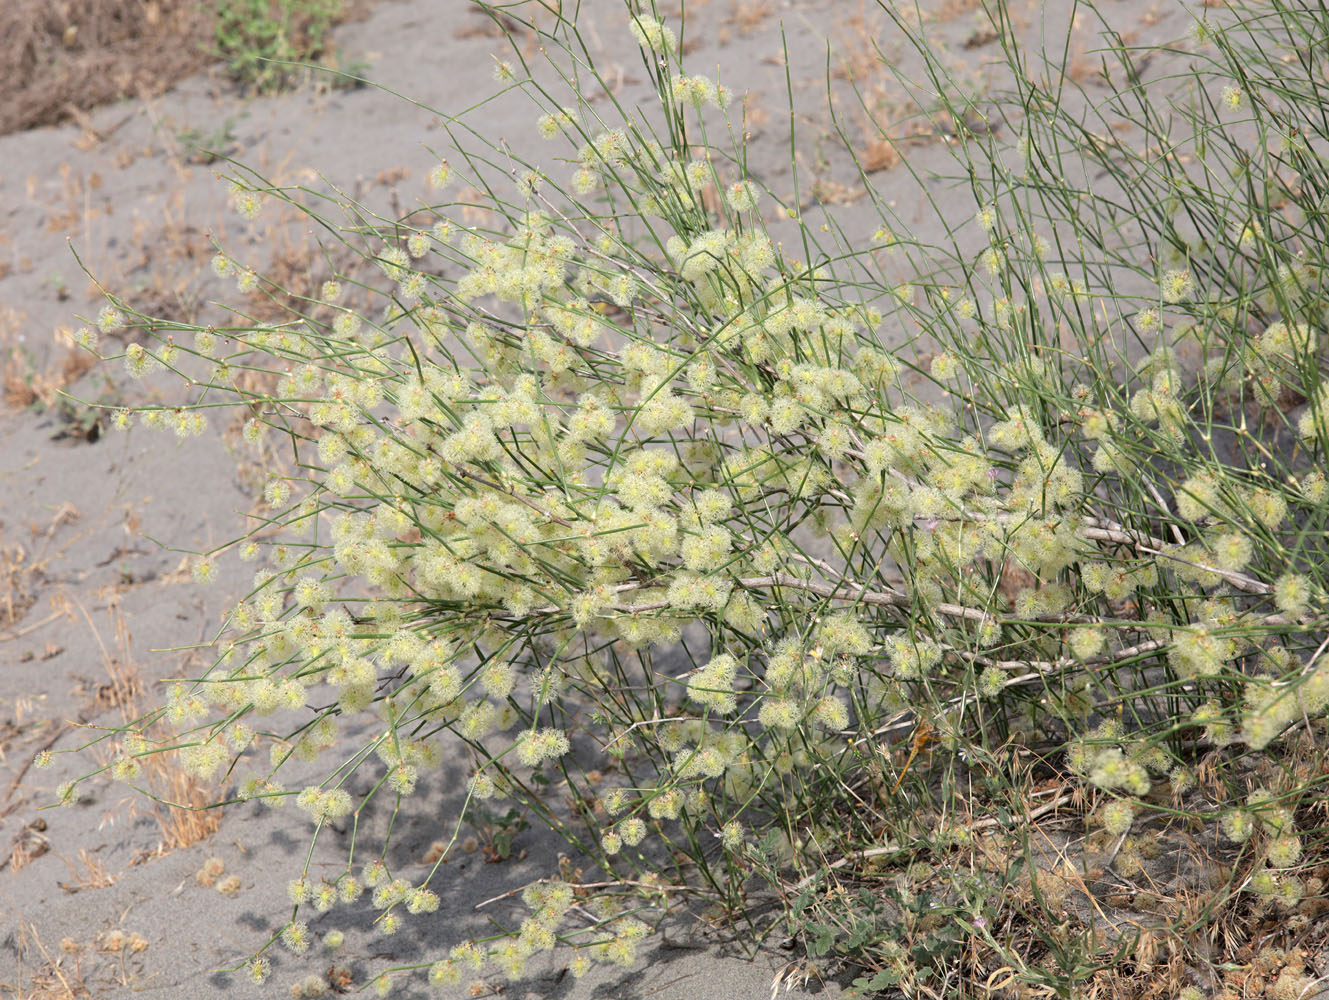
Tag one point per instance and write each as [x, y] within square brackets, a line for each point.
[482, 25]
[29, 844]
[826, 191]
[748, 15]
[17, 581]
[22, 568]
[24, 385]
[878, 155]
[171, 252]
[76, 971]
[856, 44]
[60, 976]
[179, 799]
[62, 57]
[1164, 892]
[182, 812]
[297, 266]
[88, 873]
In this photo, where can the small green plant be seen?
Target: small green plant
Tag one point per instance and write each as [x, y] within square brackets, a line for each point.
[639, 509]
[77, 422]
[55, 281]
[197, 145]
[497, 831]
[347, 73]
[260, 38]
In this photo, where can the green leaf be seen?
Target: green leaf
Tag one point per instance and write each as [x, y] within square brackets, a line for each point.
[884, 979]
[823, 939]
[860, 933]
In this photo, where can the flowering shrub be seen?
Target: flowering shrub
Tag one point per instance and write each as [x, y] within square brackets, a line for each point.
[616, 419]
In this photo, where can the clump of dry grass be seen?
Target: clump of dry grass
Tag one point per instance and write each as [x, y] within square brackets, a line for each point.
[61, 975]
[22, 569]
[182, 804]
[24, 385]
[77, 970]
[61, 58]
[179, 799]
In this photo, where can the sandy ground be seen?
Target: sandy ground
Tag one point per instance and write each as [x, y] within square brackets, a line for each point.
[96, 607]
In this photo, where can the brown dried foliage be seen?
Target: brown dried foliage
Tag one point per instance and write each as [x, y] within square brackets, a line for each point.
[61, 57]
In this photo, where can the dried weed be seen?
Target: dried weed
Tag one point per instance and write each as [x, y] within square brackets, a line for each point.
[179, 799]
[61, 58]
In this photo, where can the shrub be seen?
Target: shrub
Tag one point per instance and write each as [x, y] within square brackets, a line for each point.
[260, 38]
[642, 510]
